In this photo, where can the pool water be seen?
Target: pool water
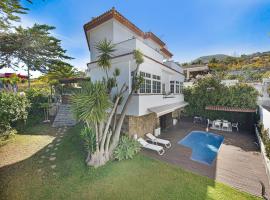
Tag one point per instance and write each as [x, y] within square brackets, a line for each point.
[204, 145]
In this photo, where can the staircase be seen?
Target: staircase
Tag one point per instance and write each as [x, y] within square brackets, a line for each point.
[64, 116]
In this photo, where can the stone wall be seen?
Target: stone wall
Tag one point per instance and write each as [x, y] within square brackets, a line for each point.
[142, 125]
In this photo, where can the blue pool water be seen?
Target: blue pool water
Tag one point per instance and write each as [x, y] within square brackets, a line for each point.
[204, 145]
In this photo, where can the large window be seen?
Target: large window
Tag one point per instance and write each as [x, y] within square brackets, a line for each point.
[156, 84]
[172, 87]
[181, 87]
[177, 87]
[150, 84]
[163, 88]
[146, 84]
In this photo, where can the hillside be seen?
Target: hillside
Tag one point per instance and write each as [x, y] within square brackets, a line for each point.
[206, 59]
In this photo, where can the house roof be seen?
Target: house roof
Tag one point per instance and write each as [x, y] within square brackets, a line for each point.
[110, 15]
[8, 75]
[230, 109]
[114, 14]
[166, 51]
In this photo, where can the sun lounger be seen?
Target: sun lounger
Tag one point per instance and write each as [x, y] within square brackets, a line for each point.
[156, 140]
[157, 148]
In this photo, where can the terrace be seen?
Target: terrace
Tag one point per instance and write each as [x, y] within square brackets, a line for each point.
[239, 162]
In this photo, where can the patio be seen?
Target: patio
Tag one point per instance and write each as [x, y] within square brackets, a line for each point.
[238, 164]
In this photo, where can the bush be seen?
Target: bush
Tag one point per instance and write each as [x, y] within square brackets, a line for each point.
[265, 138]
[209, 91]
[13, 107]
[37, 97]
[126, 149]
[89, 138]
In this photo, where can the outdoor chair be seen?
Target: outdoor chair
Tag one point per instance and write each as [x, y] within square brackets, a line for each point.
[209, 122]
[160, 150]
[156, 140]
[235, 125]
[217, 124]
[225, 125]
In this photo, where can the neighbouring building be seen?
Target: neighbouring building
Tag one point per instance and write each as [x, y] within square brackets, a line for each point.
[193, 71]
[159, 101]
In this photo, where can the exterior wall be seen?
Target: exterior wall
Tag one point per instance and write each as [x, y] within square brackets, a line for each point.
[120, 35]
[98, 34]
[265, 117]
[140, 103]
[229, 82]
[126, 41]
[143, 124]
[264, 97]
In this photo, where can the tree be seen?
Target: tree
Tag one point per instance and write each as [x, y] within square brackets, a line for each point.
[60, 70]
[91, 106]
[8, 13]
[34, 47]
[104, 59]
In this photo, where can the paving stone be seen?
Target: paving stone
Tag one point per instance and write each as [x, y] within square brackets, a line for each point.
[40, 161]
[58, 140]
[54, 173]
[47, 150]
[39, 170]
[55, 149]
[53, 154]
[62, 133]
[53, 166]
[57, 144]
[43, 157]
[50, 145]
[52, 158]
[61, 136]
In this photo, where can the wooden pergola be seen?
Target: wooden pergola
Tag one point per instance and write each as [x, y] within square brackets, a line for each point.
[230, 109]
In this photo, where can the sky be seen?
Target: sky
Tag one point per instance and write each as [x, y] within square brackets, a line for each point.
[190, 28]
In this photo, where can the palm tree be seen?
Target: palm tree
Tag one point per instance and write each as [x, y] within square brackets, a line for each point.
[105, 48]
[90, 105]
[97, 107]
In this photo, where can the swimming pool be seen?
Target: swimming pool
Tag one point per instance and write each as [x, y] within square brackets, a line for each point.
[204, 145]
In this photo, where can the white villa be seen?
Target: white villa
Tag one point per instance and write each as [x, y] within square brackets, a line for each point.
[159, 101]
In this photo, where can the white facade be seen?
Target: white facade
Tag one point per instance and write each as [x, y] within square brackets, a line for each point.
[159, 70]
[265, 117]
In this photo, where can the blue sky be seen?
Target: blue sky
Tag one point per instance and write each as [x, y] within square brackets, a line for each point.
[190, 28]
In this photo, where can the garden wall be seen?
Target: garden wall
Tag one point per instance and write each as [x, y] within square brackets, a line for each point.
[265, 158]
[265, 117]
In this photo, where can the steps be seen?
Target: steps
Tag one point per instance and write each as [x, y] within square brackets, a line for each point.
[64, 116]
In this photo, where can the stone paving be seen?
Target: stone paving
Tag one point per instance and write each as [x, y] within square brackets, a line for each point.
[50, 153]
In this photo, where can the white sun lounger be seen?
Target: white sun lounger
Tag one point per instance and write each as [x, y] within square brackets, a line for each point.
[156, 140]
[157, 148]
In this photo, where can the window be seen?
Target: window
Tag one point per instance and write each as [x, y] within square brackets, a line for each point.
[177, 87]
[150, 84]
[146, 84]
[172, 87]
[156, 87]
[163, 88]
[181, 87]
[156, 84]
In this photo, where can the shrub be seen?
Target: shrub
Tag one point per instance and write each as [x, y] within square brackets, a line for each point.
[126, 149]
[264, 133]
[89, 138]
[209, 91]
[37, 97]
[13, 107]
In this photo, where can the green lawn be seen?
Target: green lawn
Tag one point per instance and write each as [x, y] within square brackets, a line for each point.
[140, 178]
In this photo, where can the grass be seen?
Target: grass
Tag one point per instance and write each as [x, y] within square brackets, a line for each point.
[139, 178]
